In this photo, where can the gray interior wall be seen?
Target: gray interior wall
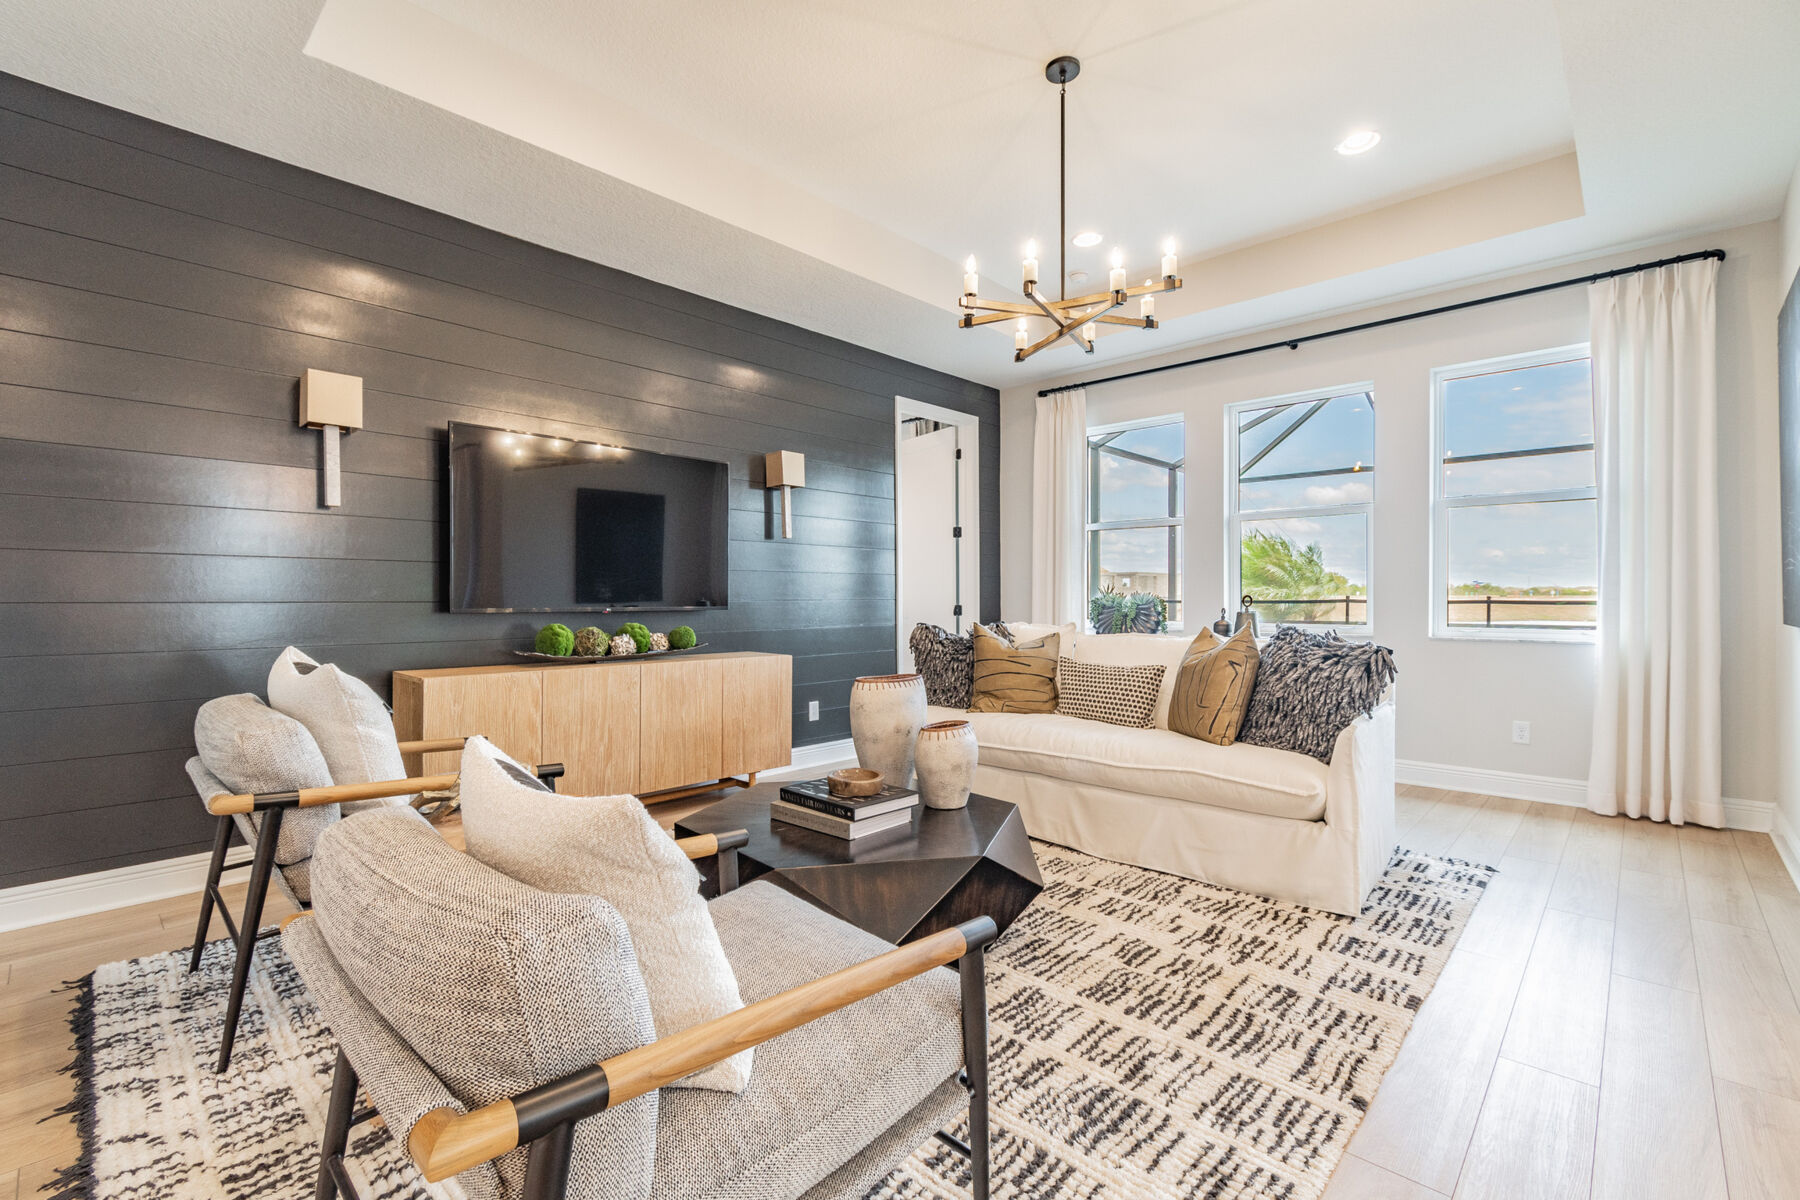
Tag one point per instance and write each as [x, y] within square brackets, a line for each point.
[160, 538]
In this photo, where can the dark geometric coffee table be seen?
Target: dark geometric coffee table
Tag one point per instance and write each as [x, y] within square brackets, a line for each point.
[949, 866]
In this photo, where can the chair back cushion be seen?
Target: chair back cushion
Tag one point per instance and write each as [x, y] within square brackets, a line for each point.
[353, 727]
[247, 746]
[611, 847]
[1017, 676]
[1213, 687]
[497, 987]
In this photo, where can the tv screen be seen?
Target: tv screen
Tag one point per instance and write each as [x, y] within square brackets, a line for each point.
[542, 524]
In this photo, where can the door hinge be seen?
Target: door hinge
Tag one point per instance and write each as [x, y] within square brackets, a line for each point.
[959, 452]
[956, 532]
[957, 612]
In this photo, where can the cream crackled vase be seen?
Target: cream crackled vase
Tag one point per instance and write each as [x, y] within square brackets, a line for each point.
[947, 754]
[886, 713]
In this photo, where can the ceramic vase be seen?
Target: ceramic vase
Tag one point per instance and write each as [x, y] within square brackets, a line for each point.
[946, 757]
[886, 712]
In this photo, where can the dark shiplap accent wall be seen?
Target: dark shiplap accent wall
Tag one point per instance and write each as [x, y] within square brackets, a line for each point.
[160, 538]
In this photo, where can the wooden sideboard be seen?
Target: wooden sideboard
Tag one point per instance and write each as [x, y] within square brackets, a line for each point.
[644, 726]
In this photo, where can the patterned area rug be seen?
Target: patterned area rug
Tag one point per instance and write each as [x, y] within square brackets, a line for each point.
[1151, 1037]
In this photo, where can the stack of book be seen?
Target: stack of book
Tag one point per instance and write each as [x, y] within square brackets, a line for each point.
[810, 805]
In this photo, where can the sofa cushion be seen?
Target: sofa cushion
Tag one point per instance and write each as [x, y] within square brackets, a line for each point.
[245, 746]
[1017, 677]
[1212, 689]
[1310, 687]
[1117, 695]
[1157, 762]
[945, 662]
[354, 730]
[822, 1092]
[497, 986]
[1131, 650]
[611, 847]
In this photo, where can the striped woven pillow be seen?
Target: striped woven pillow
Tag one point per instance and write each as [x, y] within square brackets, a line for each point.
[1014, 678]
[1117, 695]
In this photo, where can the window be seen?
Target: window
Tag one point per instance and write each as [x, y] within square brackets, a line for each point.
[1300, 489]
[1136, 496]
[1515, 525]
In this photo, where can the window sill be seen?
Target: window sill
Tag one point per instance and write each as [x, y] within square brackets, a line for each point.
[1563, 637]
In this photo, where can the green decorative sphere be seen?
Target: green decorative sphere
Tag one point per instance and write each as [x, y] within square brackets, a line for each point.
[639, 634]
[590, 641]
[555, 639]
[682, 638]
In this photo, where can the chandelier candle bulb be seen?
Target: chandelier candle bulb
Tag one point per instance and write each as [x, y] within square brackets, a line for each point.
[1168, 261]
[1031, 264]
[1116, 282]
[971, 281]
[1147, 304]
[1019, 333]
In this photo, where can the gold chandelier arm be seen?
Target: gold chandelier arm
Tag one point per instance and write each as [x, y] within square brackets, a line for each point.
[969, 321]
[982, 304]
[1135, 322]
[1048, 339]
[1047, 307]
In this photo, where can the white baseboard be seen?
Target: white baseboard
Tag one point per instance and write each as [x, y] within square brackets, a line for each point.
[808, 759]
[1787, 844]
[1756, 816]
[80, 895]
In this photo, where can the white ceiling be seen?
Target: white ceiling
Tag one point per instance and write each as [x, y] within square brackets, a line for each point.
[829, 162]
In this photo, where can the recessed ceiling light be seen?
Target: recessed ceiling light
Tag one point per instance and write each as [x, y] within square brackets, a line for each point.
[1086, 239]
[1360, 142]
[1077, 276]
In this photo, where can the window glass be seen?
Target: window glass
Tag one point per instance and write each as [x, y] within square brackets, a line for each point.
[1137, 495]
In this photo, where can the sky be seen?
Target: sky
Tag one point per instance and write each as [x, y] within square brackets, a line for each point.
[1512, 545]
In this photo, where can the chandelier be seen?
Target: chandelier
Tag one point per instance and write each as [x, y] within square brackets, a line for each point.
[1071, 317]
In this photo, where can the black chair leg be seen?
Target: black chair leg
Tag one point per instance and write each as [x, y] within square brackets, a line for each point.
[337, 1126]
[972, 974]
[547, 1166]
[261, 866]
[216, 868]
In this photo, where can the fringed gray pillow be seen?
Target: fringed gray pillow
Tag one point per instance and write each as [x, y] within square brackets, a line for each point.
[1310, 686]
[946, 662]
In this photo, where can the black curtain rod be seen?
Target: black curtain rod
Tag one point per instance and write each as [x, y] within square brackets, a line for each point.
[1296, 343]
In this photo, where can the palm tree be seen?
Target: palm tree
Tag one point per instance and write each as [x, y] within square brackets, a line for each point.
[1274, 568]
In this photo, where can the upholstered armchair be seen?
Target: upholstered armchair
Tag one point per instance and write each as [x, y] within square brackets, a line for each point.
[504, 1035]
[263, 777]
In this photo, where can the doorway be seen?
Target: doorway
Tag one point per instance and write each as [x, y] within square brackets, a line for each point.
[937, 521]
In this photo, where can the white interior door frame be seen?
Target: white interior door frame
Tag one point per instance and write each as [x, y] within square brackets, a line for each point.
[968, 477]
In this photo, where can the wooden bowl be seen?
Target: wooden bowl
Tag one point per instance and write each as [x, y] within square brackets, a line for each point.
[854, 782]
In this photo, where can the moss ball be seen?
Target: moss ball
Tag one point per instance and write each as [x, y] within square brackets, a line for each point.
[682, 638]
[639, 634]
[623, 644]
[555, 639]
[590, 641]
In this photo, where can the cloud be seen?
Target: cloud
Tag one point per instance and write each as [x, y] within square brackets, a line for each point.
[1346, 493]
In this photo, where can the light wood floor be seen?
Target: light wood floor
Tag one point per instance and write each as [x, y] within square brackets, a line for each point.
[1621, 1020]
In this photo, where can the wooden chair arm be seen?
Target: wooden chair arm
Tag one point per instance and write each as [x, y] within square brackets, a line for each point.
[445, 1142]
[226, 803]
[705, 845]
[432, 745]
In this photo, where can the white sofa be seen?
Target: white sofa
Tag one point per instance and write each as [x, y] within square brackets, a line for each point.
[1273, 822]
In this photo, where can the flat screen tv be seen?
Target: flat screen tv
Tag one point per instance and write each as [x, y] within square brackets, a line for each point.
[543, 524]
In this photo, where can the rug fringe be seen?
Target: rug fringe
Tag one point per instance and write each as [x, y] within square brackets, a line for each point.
[76, 1181]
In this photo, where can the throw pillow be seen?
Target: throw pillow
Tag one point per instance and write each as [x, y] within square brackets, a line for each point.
[611, 847]
[354, 730]
[946, 662]
[1213, 687]
[1117, 695]
[1013, 677]
[1134, 650]
[1309, 687]
[496, 985]
[249, 747]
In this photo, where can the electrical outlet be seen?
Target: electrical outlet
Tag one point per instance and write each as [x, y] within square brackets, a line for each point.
[1522, 732]
[812, 710]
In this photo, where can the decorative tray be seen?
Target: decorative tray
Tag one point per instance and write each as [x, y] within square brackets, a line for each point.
[590, 658]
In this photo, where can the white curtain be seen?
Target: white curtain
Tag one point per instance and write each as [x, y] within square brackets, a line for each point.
[1656, 707]
[1059, 474]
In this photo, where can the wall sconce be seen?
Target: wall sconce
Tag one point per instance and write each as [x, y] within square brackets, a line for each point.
[785, 469]
[330, 403]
